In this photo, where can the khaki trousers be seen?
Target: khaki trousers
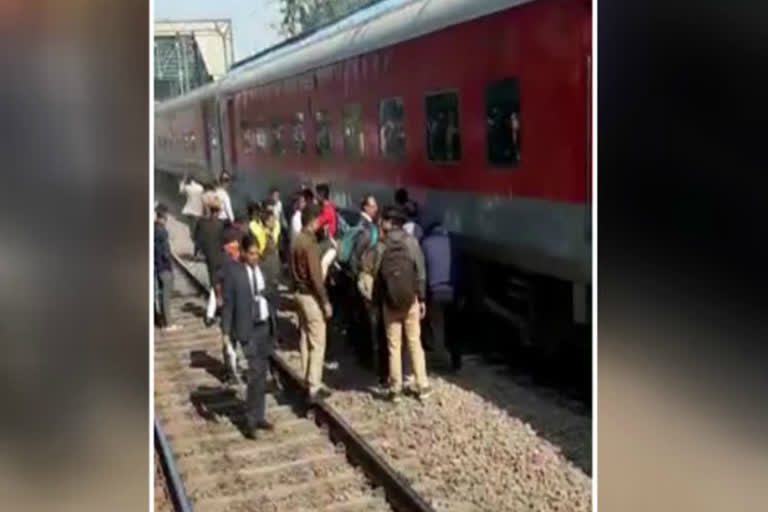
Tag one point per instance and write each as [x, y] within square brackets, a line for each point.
[394, 323]
[311, 340]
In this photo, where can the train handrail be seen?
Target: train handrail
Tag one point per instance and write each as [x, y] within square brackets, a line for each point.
[173, 478]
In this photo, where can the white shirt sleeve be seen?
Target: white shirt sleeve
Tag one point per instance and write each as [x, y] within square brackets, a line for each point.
[296, 223]
[226, 205]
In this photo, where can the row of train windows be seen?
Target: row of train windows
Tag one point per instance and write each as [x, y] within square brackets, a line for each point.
[502, 109]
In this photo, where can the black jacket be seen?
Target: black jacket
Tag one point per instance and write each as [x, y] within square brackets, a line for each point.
[240, 312]
[209, 237]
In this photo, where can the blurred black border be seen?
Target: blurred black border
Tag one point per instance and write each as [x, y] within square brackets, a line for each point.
[681, 220]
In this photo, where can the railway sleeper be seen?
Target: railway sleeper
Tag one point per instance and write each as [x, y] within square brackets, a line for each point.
[319, 492]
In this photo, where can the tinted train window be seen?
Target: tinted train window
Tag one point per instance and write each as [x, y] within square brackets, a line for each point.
[392, 127]
[502, 107]
[443, 141]
[299, 138]
[323, 133]
[353, 133]
[278, 131]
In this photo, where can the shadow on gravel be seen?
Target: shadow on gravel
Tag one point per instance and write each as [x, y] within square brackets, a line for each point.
[214, 367]
[194, 309]
[213, 403]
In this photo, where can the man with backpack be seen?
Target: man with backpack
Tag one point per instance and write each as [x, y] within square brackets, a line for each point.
[401, 288]
[361, 251]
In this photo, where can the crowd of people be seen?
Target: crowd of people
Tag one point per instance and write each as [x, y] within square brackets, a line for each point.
[385, 274]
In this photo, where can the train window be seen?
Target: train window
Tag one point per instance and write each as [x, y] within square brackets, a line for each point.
[277, 129]
[299, 137]
[443, 139]
[502, 106]
[392, 127]
[249, 136]
[323, 133]
[353, 133]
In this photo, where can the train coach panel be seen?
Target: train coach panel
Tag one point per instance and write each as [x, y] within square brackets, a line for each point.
[539, 49]
[491, 135]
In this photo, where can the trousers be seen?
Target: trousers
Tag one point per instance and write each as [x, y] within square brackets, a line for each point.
[165, 283]
[311, 340]
[257, 350]
[394, 324]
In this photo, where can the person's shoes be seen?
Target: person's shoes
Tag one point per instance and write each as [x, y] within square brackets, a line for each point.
[250, 433]
[395, 396]
[273, 386]
[264, 425]
[331, 365]
[317, 396]
[425, 393]
[208, 321]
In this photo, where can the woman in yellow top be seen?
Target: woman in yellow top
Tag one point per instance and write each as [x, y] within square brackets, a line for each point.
[259, 229]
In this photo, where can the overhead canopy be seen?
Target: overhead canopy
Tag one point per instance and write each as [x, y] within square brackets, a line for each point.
[213, 38]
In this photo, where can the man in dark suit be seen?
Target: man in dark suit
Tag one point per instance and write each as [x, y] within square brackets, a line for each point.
[245, 316]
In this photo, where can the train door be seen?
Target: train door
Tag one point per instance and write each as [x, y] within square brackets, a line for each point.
[213, 136]
[220, 160]
[230, 124]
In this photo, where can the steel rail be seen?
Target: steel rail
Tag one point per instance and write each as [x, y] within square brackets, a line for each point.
[400, 495]
[173, 478]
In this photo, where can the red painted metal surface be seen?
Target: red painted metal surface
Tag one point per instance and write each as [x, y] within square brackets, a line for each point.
[544, 45]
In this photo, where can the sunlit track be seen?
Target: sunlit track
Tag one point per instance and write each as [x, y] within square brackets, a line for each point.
[296, 467]
[484, 441]
[299, 466]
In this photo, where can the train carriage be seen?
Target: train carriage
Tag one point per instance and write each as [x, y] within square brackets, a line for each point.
[479, 108]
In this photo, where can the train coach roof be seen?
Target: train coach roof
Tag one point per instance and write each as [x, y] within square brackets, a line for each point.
[380, 25]
[383, 24]
[195, 96]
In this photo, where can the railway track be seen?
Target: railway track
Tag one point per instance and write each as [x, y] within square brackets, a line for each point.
[308, 463]
[483, 442]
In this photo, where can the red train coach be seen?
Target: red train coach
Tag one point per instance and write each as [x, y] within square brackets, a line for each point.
[481, 109]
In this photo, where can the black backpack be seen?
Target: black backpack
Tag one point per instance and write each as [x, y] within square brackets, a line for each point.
[398, 273]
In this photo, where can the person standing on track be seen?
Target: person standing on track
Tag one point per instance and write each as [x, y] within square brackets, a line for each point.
[193, 207]
[302, 200]
[245, 314]
[232, 241]
[314, 307]
[274, 195]
[225, 202]
[327, 220]
[269, 258]
[163, 269]
[209, 237]
[401, 289]
[440, 283]
[364, 263]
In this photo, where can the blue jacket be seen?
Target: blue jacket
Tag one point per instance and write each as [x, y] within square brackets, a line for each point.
[437, 256]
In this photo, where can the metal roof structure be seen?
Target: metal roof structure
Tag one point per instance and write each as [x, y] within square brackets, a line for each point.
[380, 25]
[190, 53]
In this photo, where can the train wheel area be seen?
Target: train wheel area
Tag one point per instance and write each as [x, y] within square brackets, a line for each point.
[487, 439]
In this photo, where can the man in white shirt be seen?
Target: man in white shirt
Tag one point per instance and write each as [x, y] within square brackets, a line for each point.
[226, 203]
[194, 192]
[193, 208]
[245, 317]
[299, 205]
[274, 194]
